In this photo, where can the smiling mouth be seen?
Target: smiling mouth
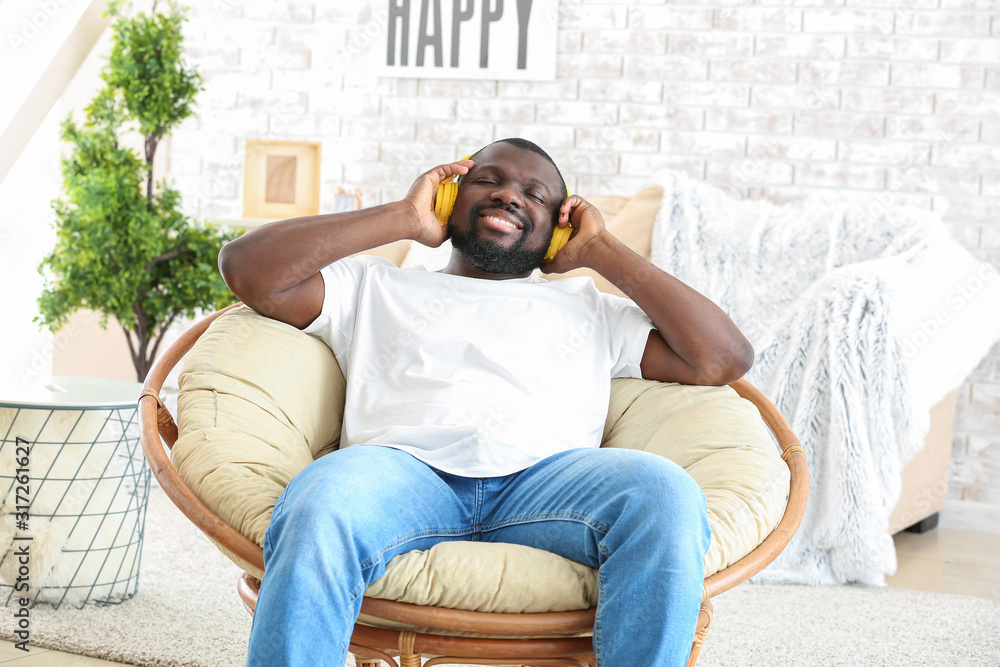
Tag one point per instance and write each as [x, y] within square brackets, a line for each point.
[502, 221]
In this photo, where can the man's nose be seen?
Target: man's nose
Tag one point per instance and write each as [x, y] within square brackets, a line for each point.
[508, 195]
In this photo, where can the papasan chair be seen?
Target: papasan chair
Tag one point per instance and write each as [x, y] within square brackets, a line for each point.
[259, 400]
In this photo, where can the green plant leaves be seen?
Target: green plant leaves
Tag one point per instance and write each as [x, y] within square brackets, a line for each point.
[124, 248]
[146, 67]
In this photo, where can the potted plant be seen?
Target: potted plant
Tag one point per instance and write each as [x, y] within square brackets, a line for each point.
[124, 248]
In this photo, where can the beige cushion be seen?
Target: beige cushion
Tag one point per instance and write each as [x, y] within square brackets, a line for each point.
[257, 403]
[259, 400]
[532, 579]
[395, 252]
[720, 439]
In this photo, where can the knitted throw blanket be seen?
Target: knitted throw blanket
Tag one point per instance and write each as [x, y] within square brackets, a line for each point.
[803, 283]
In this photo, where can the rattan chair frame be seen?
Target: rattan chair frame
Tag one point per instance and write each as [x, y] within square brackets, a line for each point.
[558, 638]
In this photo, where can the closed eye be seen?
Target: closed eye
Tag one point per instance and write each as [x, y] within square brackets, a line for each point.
[489, 180]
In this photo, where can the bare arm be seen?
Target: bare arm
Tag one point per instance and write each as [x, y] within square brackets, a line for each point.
[694, 342]
[274, 269]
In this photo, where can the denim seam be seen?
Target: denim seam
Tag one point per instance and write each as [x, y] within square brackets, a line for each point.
[601, 585]
[358, 591]
[429, 532]
[274, 510]
[370, 562]
[345, 647]
[478, 509]
[532, 518]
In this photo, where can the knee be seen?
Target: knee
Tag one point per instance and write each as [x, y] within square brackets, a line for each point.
[664, 497]
[657, 478]
[677, 489]
[317, 507]
[345, 478]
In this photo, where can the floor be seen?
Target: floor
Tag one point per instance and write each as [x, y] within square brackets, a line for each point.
[948, 559]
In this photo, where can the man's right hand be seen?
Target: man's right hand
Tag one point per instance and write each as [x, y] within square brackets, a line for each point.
[422, 197]
[274, 268]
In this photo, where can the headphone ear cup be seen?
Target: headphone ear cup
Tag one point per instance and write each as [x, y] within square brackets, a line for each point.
[559, 238]
[446, 195]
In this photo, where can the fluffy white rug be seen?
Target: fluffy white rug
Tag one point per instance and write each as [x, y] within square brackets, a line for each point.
[835, 294]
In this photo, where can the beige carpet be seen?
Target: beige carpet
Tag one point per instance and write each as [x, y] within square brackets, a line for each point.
[187, 612]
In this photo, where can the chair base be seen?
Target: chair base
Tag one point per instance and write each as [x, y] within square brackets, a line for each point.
[372, 646]
[555, 662]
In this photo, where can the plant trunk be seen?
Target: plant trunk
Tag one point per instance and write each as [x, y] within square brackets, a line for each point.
[139, 343]
[150, 152]
[143, 368]
[142, 354]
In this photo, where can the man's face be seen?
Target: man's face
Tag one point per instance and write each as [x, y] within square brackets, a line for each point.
[506, 210]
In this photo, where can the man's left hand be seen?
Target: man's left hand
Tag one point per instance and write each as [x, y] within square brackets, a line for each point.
[587, 223]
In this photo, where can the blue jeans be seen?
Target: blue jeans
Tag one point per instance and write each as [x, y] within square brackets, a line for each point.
[638, 517]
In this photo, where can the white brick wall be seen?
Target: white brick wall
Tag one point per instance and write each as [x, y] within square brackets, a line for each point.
[774, 98]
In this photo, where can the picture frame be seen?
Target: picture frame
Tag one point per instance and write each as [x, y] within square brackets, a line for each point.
[281, 179]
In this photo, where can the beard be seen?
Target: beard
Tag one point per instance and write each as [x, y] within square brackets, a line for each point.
[488, 255]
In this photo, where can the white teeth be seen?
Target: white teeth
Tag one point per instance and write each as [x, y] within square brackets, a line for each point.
[509, 224]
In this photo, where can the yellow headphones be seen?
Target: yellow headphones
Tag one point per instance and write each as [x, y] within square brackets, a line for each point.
[448, 192]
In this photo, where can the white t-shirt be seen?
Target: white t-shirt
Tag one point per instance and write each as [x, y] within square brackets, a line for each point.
[476, 377]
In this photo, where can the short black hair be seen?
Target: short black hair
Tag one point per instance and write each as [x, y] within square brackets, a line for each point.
[524, 144]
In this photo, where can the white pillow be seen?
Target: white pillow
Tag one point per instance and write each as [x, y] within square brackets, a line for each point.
[947, 307]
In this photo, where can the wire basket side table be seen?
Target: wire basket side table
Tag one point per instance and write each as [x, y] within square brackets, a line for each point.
[75, 489]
